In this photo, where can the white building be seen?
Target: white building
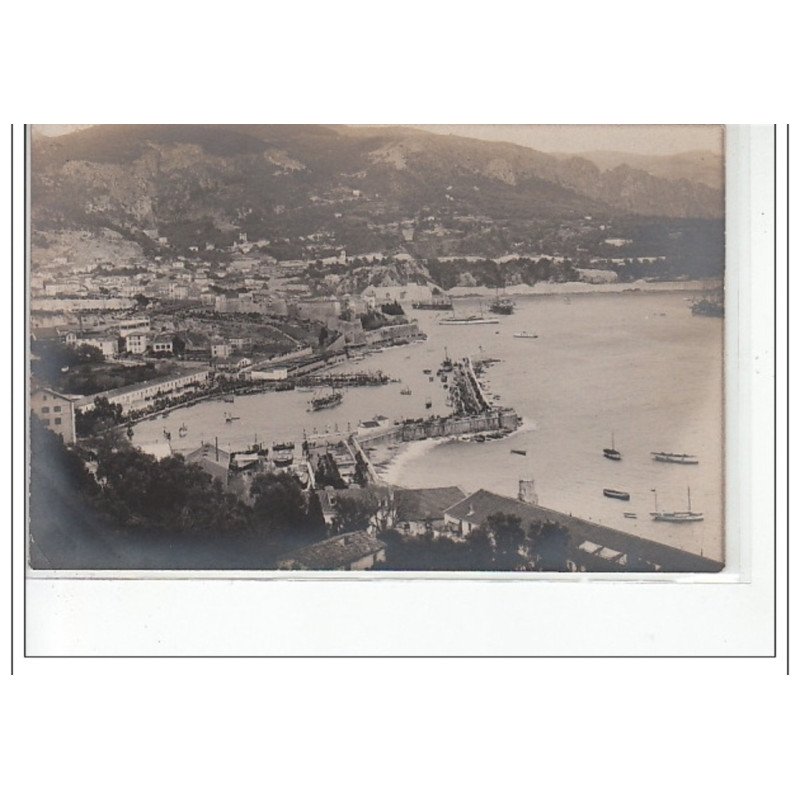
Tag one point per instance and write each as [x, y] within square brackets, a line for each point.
[140, 394]
[56, 411]
[107, 345]
[220, 348]
[137, 343]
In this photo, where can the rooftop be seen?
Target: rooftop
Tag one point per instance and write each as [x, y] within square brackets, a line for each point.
[338, 552]
[133, 387]
[420, 505]
[478, 507]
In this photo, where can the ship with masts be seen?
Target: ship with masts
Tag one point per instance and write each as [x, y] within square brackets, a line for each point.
[325, 401]
[502, 305]
[676, 516]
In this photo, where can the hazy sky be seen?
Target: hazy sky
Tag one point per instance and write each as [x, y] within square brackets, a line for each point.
[647, 139]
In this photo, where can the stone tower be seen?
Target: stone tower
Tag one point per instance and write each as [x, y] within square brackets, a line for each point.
[527, 492]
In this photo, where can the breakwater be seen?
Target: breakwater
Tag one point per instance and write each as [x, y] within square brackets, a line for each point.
[496, 419]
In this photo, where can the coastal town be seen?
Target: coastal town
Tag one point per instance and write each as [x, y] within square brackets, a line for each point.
[131, 329]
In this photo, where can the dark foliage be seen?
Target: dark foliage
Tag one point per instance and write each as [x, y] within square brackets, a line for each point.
[393, 309]
[104, 415]
[327, 473]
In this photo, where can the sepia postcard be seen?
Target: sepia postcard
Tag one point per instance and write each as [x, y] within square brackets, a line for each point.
[391, 349]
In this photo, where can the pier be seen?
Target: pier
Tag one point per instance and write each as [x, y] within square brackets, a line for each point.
[345, 379]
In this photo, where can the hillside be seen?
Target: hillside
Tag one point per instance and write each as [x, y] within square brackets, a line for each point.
[698, 166]
[196, 182]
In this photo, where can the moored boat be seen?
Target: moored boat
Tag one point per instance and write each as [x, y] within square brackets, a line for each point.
[526, 335]
[616, 494]
[326, 401]
[675, 458]
[677, 516]
[502, 306]
[473, 319]
[611, 452]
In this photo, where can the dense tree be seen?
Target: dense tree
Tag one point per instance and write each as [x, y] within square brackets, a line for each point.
[361, 474]
[509, 542]
[327, 473]
[550, 547]
[169, 494]
[280, 506]
[53, 359]
[393, 309]
[353, 514]
[103, 415]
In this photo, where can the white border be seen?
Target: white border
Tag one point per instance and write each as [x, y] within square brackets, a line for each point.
[695, 615]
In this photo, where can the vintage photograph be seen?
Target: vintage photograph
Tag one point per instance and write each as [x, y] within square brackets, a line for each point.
[413, 348]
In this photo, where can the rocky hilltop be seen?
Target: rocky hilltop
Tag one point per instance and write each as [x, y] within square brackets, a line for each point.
[290, 179]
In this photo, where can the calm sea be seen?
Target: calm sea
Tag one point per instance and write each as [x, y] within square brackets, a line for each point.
[640, 366]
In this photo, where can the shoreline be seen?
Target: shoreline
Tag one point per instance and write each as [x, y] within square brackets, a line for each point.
[409, 452]
[579, 287]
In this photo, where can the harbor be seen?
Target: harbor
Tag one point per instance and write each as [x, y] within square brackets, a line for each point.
[604, 341]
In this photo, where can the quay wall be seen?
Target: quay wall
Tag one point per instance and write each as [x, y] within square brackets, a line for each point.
[440, 427]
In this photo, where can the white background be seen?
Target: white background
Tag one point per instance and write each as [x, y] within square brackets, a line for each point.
[364, 727]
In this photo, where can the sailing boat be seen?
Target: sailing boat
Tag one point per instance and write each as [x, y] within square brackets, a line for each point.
[502, 305]
[676, 516]
[324, 401]
[612, 452]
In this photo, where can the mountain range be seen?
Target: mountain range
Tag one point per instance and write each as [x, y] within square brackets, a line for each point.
[272, 180]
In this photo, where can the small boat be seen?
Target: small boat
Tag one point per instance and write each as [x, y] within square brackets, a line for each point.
[502, 306]
[428, 403]
[675, 458]
[405, 391]
[520, 452]
[611, 452]
[616, 494]
[471, 320]
[479, 438]
[677, 516]
[630, 515]
[526, 335]
[229, 398]
[165, 415]
[283, 446]
[427, 371]
[326, 401]
[230, 418]
[183, 430]
[434, 304]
